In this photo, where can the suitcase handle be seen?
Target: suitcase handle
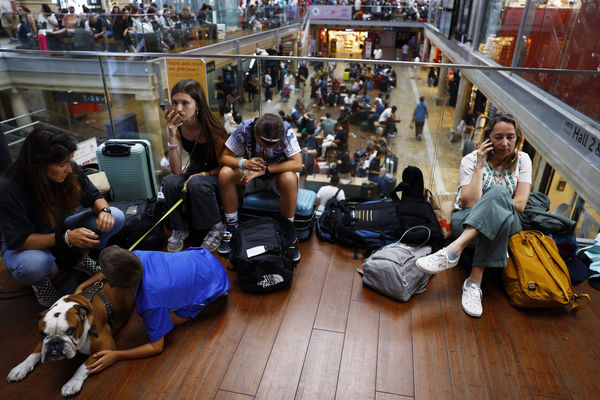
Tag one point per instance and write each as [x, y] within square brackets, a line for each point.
[116, 150]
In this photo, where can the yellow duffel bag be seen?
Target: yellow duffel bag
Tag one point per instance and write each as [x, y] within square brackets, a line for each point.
[536, 275]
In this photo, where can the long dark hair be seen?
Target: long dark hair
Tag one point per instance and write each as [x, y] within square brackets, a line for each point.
[47, 10]
[42, 148]
[209, 124]
[510, 162]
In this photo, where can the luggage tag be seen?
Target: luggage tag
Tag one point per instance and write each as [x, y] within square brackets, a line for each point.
[255, 251]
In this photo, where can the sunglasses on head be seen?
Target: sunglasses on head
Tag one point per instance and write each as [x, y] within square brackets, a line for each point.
[269, 142]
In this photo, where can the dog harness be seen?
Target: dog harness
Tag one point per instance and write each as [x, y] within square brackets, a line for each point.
[96, 288]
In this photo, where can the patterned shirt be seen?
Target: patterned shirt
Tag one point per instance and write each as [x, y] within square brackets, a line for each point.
[494, 176]
[240, 141]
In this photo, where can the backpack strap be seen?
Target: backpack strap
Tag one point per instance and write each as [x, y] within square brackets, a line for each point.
[579, 306]
[417, 227]
[336, 194]
[252, 138]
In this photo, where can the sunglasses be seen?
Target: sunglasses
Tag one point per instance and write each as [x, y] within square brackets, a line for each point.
[267, 142]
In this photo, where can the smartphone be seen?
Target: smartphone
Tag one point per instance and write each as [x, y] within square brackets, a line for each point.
[490, 154]
[165, 105]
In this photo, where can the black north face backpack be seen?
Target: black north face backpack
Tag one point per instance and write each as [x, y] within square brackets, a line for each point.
[259, 254]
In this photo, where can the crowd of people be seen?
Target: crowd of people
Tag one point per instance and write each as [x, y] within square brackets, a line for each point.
[128, 28]
[145, 26]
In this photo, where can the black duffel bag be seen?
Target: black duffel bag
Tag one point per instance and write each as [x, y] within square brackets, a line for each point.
[140, 215]
[259, 254]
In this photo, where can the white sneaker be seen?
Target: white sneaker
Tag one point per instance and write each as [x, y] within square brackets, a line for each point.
[471, 300]
[176, 240]
[436, 262]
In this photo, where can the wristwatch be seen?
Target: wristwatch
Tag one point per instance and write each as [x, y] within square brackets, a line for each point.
[105, 209]
[267, 173]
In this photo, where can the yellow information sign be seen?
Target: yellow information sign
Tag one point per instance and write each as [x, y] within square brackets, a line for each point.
[185, 68]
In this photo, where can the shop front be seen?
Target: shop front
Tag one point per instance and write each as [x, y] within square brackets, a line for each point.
[344, 43]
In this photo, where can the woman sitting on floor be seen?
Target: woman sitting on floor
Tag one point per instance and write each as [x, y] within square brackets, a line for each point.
[495, 181]
[193, 127]
[39, 191]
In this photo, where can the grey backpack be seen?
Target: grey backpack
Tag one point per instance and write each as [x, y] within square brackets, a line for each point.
[392, 271]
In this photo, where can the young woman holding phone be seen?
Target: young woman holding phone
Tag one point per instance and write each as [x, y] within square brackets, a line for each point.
[192, 127]
[493, 189]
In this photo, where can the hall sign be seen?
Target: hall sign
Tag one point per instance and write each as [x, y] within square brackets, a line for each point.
[586, 143]
[79, 97]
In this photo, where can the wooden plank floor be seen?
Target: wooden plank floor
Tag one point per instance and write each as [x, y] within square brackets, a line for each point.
[328, 337]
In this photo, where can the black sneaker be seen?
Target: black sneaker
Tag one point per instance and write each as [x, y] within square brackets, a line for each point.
[225, 246]
[46, 293]
[88, 266]
[294, 253]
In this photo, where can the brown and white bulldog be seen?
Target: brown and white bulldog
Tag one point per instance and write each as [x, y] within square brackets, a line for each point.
[74, 324]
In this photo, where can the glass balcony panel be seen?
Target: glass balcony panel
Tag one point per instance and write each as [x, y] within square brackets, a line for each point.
[135, 86]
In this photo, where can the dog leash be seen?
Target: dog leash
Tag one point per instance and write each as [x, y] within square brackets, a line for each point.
[183, 193]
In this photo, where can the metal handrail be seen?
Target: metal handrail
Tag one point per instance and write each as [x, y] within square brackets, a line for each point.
[23, 116]
[19, 128]
[305, 59]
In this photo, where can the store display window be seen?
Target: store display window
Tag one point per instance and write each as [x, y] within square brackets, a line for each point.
[346, 43]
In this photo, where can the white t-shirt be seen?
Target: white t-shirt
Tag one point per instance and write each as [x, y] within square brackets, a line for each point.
[367, 162]
[6, 7]
[377, 53]
[493, 176]
[417, 59]
[229, 127]
[385, 115]
[164, 162]
[325, 193]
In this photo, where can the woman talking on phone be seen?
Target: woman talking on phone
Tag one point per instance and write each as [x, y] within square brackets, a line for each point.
[495, 181]
[192, 127]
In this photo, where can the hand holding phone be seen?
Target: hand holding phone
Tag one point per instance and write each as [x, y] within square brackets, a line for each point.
[166, 106]
[485, 152]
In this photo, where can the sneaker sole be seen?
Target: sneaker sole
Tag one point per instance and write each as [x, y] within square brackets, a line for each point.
[175, 250]
[471, 314]
[224, 253]
[211, 249]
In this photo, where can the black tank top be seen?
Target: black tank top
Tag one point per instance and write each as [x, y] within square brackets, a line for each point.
[202, 158]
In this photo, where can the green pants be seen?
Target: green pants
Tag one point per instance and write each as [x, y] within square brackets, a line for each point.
[496, 219]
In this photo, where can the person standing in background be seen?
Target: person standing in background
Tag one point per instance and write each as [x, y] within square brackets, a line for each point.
[268, 84]
[419, 116]
[220, 93]
[8, 15]
[302, 77]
